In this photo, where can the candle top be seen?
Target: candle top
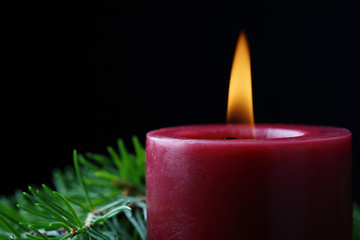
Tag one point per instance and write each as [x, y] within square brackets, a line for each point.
[249, 134]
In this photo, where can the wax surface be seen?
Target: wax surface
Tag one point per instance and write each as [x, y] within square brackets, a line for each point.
[272, 182]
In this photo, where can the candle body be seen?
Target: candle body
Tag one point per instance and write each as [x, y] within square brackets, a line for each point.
[200, 186]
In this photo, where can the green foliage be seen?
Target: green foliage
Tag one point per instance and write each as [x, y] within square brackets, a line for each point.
[102, 197]
[356, 222]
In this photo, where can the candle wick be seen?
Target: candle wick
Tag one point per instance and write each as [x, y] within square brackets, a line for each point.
[230, 138]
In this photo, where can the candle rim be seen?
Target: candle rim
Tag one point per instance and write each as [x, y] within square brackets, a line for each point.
[297, 133]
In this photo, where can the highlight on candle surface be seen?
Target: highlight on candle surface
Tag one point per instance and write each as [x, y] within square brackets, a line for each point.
[240, 102]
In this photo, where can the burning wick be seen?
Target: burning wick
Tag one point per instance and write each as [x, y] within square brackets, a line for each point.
[240, 101]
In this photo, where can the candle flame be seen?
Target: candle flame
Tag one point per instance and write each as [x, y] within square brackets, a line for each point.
[240, 105]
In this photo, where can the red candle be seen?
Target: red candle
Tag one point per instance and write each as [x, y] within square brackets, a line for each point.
[238, 181]
[246, 181]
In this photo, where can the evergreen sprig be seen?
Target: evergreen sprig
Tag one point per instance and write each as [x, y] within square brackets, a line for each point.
[101, 198]
[356, 222]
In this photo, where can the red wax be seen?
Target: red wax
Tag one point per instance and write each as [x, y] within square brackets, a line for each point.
[283, 182]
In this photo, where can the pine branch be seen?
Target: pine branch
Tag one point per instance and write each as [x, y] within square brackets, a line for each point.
[102, 197]
[356, 222]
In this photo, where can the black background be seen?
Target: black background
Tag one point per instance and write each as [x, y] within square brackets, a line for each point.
[80, 75]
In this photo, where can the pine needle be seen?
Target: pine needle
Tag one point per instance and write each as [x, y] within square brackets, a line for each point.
[81, 180]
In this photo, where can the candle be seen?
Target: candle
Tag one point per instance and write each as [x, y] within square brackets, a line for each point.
[290, 182]
[248, 181]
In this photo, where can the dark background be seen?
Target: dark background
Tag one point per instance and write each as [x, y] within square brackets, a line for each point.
[80, 75]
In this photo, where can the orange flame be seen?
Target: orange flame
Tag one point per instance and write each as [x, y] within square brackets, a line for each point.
[240, 103]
